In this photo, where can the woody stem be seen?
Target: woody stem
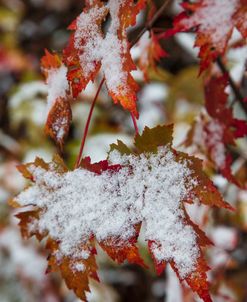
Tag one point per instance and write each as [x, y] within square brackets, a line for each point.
[238, 95]
[151, 23]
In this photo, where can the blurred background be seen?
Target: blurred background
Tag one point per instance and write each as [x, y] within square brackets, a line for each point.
[173, 94]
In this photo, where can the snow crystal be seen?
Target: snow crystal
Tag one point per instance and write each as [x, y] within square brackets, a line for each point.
[57, 85]
[79, 267]
[108, 50]
[148, 188]
[59, 127]
[215, 17]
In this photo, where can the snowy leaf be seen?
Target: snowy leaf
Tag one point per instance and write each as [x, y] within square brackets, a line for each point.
[58, 107]
[213, 134]
[58, 121]
[223, 128]
[90, 50]
[213, 21]
[109, 202]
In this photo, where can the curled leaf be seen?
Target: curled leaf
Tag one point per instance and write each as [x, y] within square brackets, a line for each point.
[58, 107]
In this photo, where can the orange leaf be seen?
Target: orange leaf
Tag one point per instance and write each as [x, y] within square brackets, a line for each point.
[90, 49]
[58, 107]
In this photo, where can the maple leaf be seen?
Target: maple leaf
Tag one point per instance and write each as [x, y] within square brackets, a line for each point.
[218, 130]
[108, 203]
[213, 21]
[90, 50]
[223, 128]
[58, 106]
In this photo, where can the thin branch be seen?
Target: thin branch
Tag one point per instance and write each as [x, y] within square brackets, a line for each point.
[238, 95]
[151, 23]
[88, 124]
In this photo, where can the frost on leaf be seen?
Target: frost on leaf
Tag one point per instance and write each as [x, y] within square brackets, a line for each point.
[108, 203]
[213, 21]
[219, 129]
[58, 107]
[90, 49]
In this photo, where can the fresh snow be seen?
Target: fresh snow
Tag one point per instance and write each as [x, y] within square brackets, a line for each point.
[214, 19]
[57, 85]
[109, 50]
[59, 126]
[148, 188]
[98, 145]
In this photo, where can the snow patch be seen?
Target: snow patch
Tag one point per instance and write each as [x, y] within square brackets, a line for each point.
[57, 85]
[109, 50]
[149, 188]
[214, 19]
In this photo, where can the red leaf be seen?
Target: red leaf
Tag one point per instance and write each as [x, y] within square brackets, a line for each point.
[224, 128]
[213, 134]
[213, 21]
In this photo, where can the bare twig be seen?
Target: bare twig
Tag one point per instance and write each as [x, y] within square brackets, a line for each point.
[238, 95]
[151, 23]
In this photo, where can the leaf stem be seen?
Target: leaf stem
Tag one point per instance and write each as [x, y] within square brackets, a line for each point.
[88, 124]
[148, 26]
[135, 123]
[238, 95]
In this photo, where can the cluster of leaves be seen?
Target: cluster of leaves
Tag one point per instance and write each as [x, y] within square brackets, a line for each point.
[92, 47]
[217, 132]
[83, 59]
[90, 50]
